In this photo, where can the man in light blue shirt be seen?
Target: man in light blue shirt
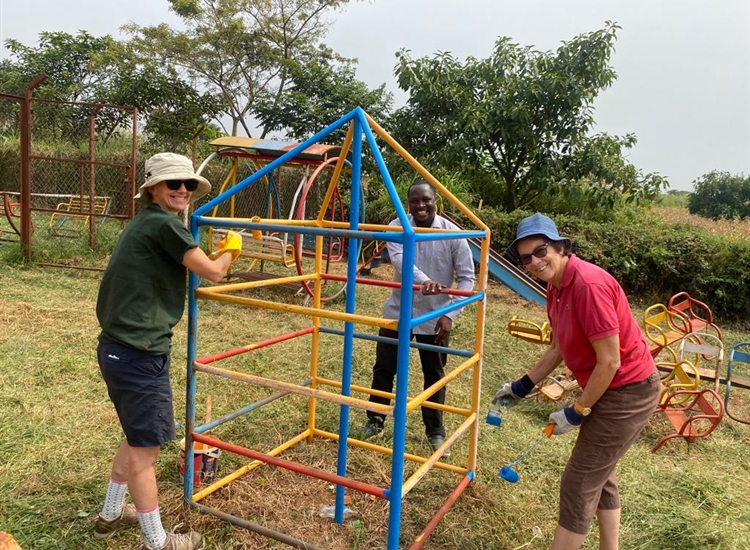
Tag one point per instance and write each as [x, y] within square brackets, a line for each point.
[436, 263]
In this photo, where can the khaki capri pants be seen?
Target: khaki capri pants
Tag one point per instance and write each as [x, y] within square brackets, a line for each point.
[615, 422]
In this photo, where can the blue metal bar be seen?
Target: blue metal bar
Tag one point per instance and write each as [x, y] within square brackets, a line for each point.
[437, 313]
[390, 236]
[351, 294]
[395, 494]
[244, 410]
[283, 159]
[389, 186]
[193, 283]
[394, 341]
[444, 236]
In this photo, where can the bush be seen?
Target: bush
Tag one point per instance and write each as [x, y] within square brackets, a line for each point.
[721, 195]
[652, 259]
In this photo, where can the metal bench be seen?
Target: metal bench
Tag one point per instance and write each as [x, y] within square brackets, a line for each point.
[72, 217]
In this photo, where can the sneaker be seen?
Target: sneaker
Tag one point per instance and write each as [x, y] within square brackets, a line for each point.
[105, 528]
[180, 541]
[436, 441]
[371, 429]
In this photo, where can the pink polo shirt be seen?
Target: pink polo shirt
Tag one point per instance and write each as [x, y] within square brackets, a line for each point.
[590, 304]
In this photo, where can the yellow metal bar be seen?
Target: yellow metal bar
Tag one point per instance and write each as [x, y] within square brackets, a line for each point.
[433, 460]
[274, 221]
[370, 391]
[476, 391]
[421, 398]
[248, 285]
[226, 480]
[315, 349]
[294, 388]
[391, 228]
[424, 172]
[337, 171]
[385, 450]
[302, 310]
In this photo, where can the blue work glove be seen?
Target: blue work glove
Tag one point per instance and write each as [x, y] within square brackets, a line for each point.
[565, 420]
[508, 395]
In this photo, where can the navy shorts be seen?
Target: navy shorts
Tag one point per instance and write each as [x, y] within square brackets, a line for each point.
[138, 385]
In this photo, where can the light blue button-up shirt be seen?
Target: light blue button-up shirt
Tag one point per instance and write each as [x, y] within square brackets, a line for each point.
[435, 260]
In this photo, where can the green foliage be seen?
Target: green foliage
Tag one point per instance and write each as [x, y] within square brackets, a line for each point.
[237, 50]
[652, 259]
[320, 91]
[88, 69]
[518, 123]
[719, 195]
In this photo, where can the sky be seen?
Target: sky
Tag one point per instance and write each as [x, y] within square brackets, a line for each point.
[683, 66]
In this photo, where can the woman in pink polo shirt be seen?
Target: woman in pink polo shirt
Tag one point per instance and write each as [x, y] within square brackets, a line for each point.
[595, 333]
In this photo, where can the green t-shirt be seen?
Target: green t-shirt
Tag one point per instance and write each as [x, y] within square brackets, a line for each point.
[142, 295]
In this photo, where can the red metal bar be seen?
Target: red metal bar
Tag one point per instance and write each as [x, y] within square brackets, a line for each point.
[130, 190]
[237, 351]
[293, 466]
[444, 509]
[393, 284]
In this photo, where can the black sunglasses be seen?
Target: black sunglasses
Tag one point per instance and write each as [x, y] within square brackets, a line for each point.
[190, 185]
[539, 252]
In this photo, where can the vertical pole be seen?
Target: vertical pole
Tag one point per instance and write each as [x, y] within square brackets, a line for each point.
[25, 119]
[395, 494]
[193, 281]
[351, 293]
[479, 349]
[92, 177]
[130, 191]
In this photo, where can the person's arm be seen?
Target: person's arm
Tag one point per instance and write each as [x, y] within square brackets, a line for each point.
[463, 268]
[607, 351]
[199, 263]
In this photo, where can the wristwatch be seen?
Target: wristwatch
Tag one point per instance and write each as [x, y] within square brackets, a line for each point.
[583, 411]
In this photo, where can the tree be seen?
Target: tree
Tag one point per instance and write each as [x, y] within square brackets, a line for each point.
[721, 195]
[318, 92]
[237, 50]
[518, 122]
[84, 68]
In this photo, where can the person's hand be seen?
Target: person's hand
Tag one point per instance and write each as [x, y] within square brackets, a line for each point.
[508, 395]
[504, 396]
[232, 243]
[430, 288]
[443, 329]
[565, 419]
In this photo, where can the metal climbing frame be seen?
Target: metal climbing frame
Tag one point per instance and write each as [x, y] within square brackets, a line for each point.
[328, 322]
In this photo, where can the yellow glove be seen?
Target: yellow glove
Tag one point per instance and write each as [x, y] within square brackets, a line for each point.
[231, 243]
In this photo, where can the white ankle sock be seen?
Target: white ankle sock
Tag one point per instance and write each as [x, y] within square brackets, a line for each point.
[114, 500]
[153, 532]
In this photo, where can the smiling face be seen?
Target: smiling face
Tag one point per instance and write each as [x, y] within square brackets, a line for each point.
[422, 204]
[171, 201]
[549, 268]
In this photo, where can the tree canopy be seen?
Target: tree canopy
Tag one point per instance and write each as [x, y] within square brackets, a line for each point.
[719, 195]
[85, 68]
[518, 123]
[319, 92]
[237, 50]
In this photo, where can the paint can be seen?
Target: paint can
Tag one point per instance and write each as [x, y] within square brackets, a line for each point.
[205, 462]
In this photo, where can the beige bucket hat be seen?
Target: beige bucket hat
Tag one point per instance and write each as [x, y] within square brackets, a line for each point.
[170, 166]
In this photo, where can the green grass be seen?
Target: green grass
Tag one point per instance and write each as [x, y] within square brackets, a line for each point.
[59, 432]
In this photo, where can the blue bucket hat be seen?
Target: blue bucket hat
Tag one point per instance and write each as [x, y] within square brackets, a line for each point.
[536, 224]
